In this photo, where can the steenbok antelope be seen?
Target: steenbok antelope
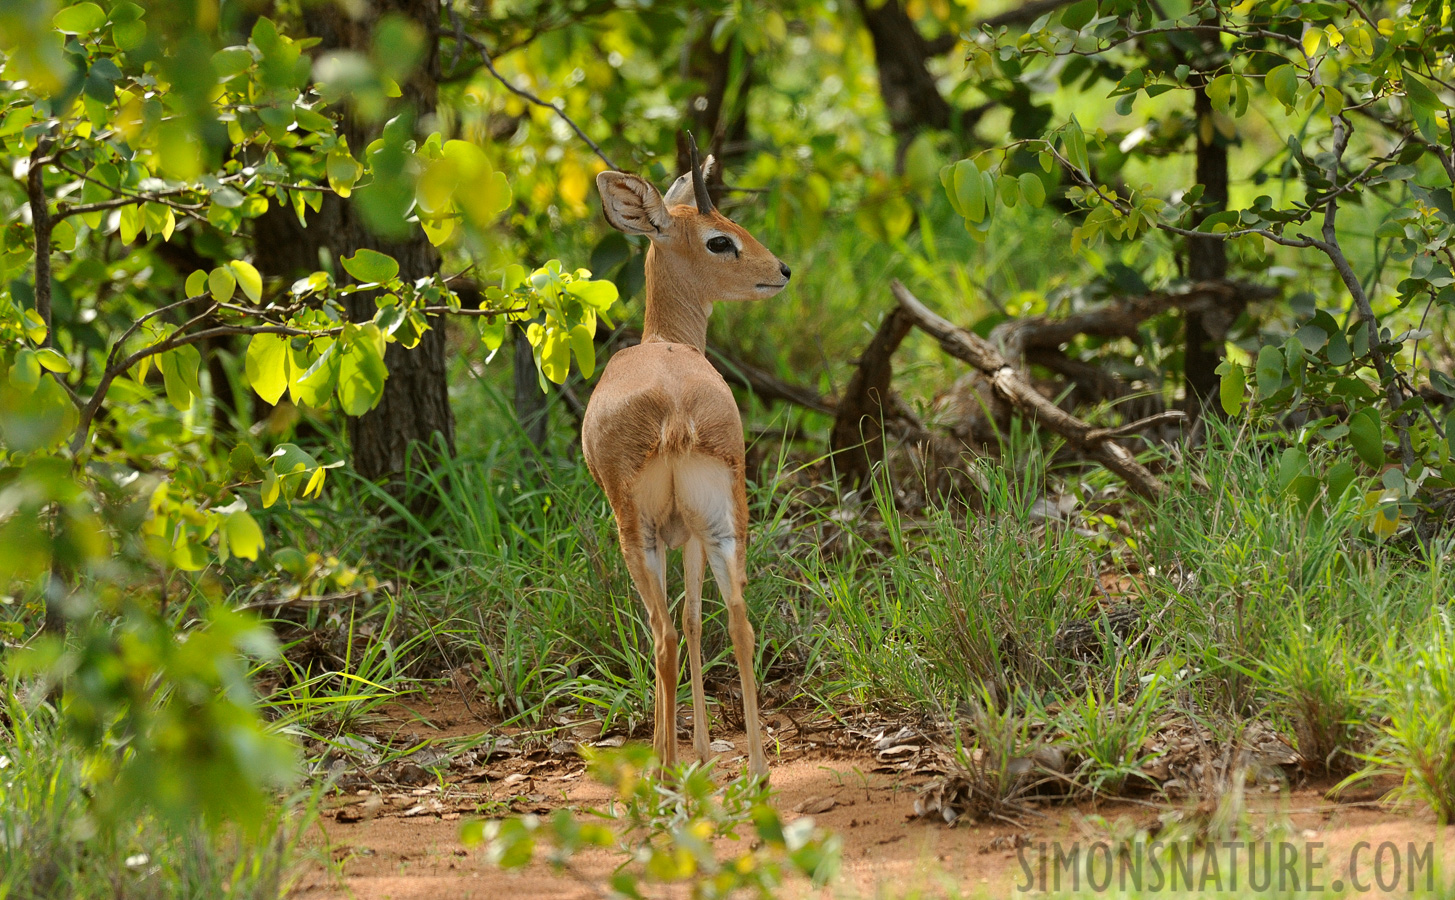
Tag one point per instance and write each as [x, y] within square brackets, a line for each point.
[663, 439]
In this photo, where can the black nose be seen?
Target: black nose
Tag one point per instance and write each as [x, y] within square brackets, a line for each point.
[783, 267]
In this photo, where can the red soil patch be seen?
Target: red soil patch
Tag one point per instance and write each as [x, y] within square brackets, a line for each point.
[406, 843]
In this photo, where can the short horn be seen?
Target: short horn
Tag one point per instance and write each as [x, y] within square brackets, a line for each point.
[699, 184]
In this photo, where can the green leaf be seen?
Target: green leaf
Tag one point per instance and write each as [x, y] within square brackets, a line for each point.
[1282, 83]
[221, 284]
[316, 386]
[25, 370]
[970, 191]
[1232, 387]
[1338, 352]
[947, 180]
[83, 18]
[1340, 476]
[1220, 92]
[231, 61]
[243, 461]
[1293, 464]
[362, 372]
[1312, 337]
[1073, 142]
[371, 266]
[179, 375]
[1078, 14]
[268, 366]
[1009, 190]
[1420, 94]
[492, 332]
[244, 537]
[1269, 371]
[1033, 189]
[1366, 434]
[248, 279]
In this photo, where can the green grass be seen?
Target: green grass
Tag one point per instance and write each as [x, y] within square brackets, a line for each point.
[56, 842]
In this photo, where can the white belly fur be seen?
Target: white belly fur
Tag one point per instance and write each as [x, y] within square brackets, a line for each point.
[686, 496]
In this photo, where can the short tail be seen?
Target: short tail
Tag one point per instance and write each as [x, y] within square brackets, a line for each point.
[679, 436]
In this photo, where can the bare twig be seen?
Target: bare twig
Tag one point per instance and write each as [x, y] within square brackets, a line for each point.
[489, 63]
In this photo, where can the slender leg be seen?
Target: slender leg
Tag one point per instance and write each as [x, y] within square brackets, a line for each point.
[645, 561]
[693, 560]
[728, 557]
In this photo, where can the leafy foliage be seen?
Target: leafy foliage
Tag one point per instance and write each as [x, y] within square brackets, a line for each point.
[1357, 111]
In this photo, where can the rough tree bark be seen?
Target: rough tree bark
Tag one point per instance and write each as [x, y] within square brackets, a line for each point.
[415, 405]
[910, 94]
[1207, 260]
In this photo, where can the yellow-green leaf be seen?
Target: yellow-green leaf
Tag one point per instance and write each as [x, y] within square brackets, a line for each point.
[1313, 39]
[1282, 83]
[343, 170]
[1232, 387]
[362, 372]
[179, 375]
[52, 361]
[25, 370]
[196, 283]
[221, 284]
[268, 366]
[34, 326]
[1033, 189]
[370, 266]
[244, 536]
[584, 348]
[83, 18]
[248, 279]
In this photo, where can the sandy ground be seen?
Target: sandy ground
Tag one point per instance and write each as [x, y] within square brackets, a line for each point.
[405, 841]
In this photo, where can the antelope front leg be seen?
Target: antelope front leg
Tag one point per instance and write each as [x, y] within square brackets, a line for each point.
[694, 559]
[729, 570]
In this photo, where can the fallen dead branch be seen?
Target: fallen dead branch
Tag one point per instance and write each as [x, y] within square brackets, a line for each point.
[1119, 318]
[1096, 443]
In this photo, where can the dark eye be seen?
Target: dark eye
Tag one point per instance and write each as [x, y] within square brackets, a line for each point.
[720, 244]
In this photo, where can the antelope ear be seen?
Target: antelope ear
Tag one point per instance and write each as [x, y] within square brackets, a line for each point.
[681, 190]
[632, 205]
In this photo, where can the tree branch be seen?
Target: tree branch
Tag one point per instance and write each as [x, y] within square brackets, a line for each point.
[978, 352]
[489, 63]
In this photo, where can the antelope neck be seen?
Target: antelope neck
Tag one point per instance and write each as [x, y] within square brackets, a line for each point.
[677, 310]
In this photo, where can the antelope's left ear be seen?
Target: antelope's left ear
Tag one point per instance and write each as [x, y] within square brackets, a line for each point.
[680, 193]
[632, 205]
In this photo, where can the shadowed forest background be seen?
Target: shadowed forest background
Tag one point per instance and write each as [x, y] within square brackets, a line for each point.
[1112, 394]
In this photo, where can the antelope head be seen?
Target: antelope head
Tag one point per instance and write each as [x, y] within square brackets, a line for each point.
[696, 252]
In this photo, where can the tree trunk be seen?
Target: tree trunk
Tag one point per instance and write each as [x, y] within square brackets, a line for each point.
[910, 94]
[415, 404]
[1207, 260]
